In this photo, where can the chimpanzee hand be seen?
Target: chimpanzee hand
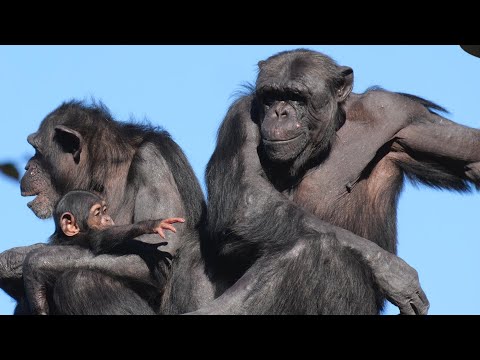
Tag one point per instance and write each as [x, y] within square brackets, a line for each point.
[400, 284]
[473, 171]
[165, 224]
[11, 269]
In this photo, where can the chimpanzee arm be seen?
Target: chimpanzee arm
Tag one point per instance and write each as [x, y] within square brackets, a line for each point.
[103, 241]
[42, 266]
[11, 269]
[159, 199]
[242, 201]
[439, 152]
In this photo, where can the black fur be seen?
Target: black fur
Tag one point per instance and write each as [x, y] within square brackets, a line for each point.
[263, 236]
[109, 296]
[111, 142]
[79, 204]
[143, 175]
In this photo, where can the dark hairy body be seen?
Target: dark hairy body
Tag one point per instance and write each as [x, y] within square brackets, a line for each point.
[303, 151]
[276, 188]
[143, 175]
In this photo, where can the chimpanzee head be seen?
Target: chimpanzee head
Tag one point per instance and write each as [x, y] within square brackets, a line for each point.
[80, 211]
[75, 147]
[299, 96]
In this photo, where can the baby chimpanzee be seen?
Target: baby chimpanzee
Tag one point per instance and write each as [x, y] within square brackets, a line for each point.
[81, 219]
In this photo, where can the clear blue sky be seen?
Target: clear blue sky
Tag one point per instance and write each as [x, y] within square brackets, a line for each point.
[187, 90]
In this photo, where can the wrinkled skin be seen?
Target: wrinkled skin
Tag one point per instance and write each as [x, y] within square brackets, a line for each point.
[36, 181]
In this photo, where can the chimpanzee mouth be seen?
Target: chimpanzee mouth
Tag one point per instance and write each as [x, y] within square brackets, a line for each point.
[29, 193]
[32, 203]
[280, 142]
[41, 205]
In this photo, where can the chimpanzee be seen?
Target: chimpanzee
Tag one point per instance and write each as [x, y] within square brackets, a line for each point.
[81, 219]
[143, 174]
[300, 150]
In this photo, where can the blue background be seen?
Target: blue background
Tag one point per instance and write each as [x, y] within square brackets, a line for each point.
[187, 90]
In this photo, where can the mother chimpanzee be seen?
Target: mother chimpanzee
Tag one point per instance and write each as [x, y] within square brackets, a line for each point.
[143, 174]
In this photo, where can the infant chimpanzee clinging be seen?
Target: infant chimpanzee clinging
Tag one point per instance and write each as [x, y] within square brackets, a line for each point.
[81, 219]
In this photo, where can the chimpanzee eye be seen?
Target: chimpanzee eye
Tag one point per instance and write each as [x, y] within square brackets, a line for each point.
[97, 210]
[268, 100]
[268, 97]
[296, 97]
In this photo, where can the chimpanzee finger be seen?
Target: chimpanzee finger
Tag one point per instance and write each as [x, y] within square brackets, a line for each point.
[174, 220]
[169, 227]
[406, 309]
[424, 298]
[419, 305]
[160, 232]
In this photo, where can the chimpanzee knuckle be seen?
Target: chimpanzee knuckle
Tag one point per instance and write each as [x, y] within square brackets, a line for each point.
[414, 276]
[422, 310]
[9, 260]
[408, 310]
[473, 171]
[250, 203]
[3, 266]
[249, 197]
[12, 263]
[33, 260]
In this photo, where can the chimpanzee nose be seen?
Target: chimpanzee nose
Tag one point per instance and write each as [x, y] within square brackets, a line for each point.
[31, 138]
[282, 110]
[29, 163]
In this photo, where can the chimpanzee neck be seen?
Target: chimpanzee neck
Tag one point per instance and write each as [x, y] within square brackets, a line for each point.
[116, 191]
[81, 239]
[287, 175]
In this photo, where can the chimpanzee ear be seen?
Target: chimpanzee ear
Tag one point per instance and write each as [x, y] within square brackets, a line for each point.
[347, 86]
[69, 224]
[70, 140]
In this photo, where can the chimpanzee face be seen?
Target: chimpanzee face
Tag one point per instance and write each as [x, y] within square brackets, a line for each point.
[55, 168]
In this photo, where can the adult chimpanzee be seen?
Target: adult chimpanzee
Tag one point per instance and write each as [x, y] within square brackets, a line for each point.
[301, 148]
[143, 175]
[81, 219]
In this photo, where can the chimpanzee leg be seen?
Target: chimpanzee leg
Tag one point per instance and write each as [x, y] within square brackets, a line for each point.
[85, 292]
[315, 276]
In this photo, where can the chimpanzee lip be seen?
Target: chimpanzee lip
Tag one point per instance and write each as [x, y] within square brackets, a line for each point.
[30, 193]
[30, 203]
[279, 142]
